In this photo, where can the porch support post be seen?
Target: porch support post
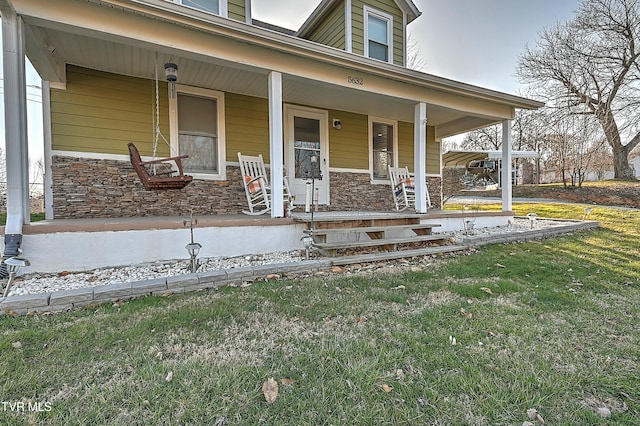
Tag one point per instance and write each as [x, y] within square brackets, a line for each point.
[46, 131]
[15, 118]
[507, 147]
[276, 138]
[420, 156]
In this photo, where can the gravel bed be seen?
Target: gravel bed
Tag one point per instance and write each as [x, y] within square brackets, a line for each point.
[42, 283]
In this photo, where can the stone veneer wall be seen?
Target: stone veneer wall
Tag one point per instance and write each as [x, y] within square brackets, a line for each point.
[87, 188]
[354, 191]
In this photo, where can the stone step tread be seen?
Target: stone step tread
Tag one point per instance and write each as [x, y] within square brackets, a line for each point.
[371, 228]
[380, 242]
[346, 217]
[390, 255]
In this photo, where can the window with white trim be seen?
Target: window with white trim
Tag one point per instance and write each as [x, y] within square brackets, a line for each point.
[211, 6]
[378, 34]
[198, 131]
[383, 148]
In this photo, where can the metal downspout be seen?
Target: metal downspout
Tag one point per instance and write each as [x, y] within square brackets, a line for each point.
[15, 114]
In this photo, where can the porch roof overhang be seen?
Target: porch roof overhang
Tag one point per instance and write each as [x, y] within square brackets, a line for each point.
[462, 158]
[130, 36]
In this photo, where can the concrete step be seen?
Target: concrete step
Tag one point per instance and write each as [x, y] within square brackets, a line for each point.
[366, 229]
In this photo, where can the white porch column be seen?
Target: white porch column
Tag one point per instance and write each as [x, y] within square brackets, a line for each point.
[420, 156]
[46, 131]
[276, 140]
[507, 147]
[15, 118]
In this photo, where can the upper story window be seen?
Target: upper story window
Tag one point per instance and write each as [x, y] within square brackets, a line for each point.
[211, 6]
[378, 34]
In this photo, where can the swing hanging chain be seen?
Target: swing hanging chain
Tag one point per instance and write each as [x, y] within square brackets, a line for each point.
[158, 133]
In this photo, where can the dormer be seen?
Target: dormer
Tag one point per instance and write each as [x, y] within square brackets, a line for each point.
[239, 10]
[376, 29]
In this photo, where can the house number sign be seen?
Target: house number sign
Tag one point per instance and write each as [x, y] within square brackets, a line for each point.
[355, 80]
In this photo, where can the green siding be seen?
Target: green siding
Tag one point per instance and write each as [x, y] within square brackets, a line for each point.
[405, 148]
[101, 112]
[247, 126]
[349, 147]
[331, 32]
[390, 8]
[405, 144]
[237, 10]
[357, 27]
[433, 152]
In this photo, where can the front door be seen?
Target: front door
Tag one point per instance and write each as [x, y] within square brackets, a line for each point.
[306, 139]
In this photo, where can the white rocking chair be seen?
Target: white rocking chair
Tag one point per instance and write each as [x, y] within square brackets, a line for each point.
[256, 185]
[403, 188]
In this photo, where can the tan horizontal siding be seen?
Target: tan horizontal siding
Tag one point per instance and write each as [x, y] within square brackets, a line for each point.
[349, 147]
[237, 10]
[247, 126]
[357, 28]
[405, 144]
[406, 148]
[101, 112]
[331, 32]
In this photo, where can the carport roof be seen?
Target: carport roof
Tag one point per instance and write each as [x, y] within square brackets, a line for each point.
[462, 158]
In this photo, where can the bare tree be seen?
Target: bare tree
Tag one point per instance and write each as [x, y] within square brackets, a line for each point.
[415, 60]
[591, 66]
[485, 139]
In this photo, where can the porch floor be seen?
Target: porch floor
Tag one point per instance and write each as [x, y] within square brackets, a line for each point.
[177, 222]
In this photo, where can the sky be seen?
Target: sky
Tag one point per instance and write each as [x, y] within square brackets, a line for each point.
[472, 41]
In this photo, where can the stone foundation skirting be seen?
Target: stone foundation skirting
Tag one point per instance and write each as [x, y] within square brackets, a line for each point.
[92, 188]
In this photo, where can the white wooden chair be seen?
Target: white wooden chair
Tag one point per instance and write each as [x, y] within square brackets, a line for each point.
[256, 185]
[402, 187]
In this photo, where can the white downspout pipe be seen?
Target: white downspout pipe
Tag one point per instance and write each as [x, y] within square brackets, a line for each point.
[507, 147]
[15, 117]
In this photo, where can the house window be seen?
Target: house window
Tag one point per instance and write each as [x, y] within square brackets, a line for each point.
[378, 33]
[212, 6]
[382, 149]
[197, 130]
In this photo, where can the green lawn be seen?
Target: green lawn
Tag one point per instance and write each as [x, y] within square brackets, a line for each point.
[550, 324]
[35, 217]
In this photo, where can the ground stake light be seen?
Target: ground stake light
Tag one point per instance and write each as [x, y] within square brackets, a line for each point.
[13, 265]
[532, 218]
[307, 241]
[192, 248]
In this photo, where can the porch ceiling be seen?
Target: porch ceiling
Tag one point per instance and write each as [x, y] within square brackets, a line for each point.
[50, 45]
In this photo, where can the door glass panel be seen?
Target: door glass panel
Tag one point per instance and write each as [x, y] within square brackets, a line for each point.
[306, 143]
[382, 150]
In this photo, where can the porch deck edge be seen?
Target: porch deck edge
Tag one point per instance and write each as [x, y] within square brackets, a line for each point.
[146, 223]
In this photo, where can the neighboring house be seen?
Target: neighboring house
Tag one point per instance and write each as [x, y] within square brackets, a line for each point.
[338, 86]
